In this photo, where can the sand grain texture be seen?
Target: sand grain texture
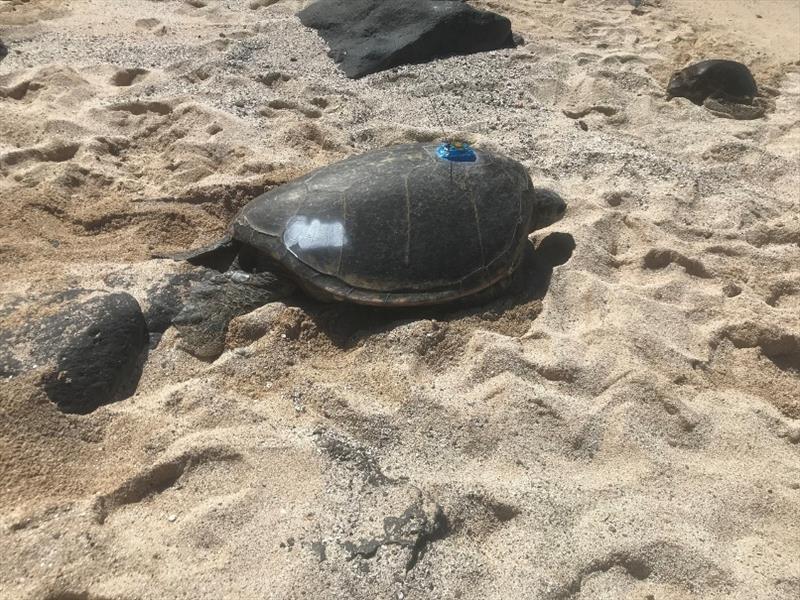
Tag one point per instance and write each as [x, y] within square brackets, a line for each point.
[624, 425]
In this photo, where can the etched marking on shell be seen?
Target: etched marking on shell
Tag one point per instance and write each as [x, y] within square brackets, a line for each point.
[344, 220]
[478, 226]
[408, 221]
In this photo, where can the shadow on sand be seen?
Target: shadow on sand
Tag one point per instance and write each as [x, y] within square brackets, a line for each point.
[346, 325]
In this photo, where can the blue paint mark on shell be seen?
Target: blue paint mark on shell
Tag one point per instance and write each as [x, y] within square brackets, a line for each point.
[456, 152]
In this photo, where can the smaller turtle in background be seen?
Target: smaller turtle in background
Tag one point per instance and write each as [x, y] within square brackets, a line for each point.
[725, 87]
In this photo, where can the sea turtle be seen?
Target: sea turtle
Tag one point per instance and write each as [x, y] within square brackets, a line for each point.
[725, 87]
[408, 225]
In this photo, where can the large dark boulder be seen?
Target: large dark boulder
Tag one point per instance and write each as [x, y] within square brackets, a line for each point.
[366, 36]
[89, 346]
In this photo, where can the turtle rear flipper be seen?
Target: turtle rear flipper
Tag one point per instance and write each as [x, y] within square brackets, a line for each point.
[721, 106]
[215, 301]
[219, 255]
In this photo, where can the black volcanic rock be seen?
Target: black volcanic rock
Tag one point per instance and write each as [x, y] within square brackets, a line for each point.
[166, 298]
[366, 36]
[89, 345]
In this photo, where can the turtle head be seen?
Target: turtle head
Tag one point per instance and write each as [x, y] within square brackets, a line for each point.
[677, 84]
[686, 84]
[547, 208]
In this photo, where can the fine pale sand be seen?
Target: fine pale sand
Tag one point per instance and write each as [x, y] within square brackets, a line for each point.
[624, 428]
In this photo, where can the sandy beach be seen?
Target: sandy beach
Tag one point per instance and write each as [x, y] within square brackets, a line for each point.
[626, 425]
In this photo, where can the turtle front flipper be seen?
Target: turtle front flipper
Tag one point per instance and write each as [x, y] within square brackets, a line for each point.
[216, 300]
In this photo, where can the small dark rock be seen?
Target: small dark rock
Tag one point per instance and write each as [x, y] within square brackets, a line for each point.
[91, 345]
[731, 290]
[367, 36]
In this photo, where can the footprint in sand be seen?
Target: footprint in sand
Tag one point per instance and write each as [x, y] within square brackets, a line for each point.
[152, 24]
[643, 566]
[274, 106]
[142, 107]
[20, 90]
[761, 359]
[155, 479]
[785, 294]
[127, 77]
[197, 75]
[782, 348]
[273, 78]
[256, 4]
[658, 258]
[149, 23]
[52, 152]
